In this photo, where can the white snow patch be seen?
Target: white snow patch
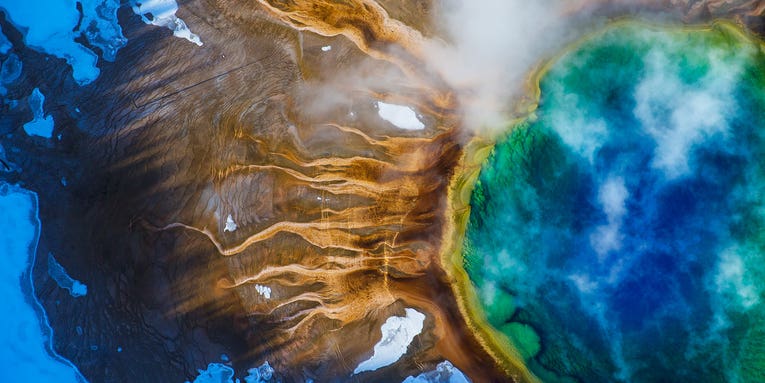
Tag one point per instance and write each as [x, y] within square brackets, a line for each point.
[326, 48]
[397, 334]
[25, 341]
[401, 116]
[162, 14]
[40, 125]
[445, 372]
[230, 224]
[265, 291]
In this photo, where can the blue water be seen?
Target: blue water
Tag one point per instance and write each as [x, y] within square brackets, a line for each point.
[623, 222]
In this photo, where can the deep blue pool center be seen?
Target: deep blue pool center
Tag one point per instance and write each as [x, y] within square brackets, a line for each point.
[618, 233]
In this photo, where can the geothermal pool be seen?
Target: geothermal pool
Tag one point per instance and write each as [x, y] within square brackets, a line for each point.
[618, 232]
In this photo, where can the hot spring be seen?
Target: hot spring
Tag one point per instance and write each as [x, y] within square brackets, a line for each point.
[618, 232]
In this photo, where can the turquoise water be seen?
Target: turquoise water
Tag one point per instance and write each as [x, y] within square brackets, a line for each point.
[618, 234]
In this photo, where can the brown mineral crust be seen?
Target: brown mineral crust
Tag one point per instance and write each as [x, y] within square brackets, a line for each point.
[748, 12]
[338, 215]
[696, 10]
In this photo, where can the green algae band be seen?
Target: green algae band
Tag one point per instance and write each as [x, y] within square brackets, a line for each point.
[619, 233]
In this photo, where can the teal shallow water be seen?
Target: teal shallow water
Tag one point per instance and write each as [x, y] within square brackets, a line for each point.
[619, 233]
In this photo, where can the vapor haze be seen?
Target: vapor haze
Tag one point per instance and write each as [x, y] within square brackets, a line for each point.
[491, 48]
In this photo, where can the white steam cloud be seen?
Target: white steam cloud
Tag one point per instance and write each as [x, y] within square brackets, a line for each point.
[583, 134]
[679, 116]
[612, 196]
[493, 47]
[731, 278]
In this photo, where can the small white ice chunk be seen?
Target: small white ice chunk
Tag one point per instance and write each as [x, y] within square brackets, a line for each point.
[40, 125]
[215, 373]
[262, 374]
[397, 334]
[59, 274]
[402, 116]
[445, 372]
[326, 48]
[162, 13]
[230, 224]
[265, 291]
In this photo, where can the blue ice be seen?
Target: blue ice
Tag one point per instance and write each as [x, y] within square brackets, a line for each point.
[48, 27]
[445, 372]
[57, 272]
[41, 125]
[100, 26]
[221, 373]
[26, 338]
[51, 26]
[215, 373]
